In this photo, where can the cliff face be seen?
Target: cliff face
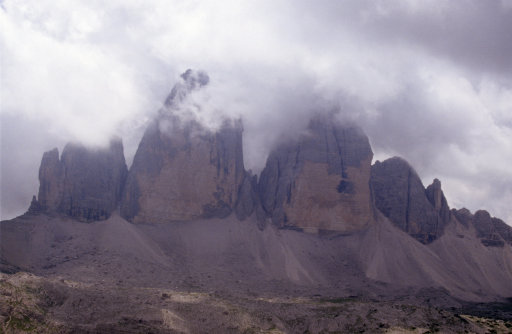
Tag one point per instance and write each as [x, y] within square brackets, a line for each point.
[85, 184]
[184, 174]
[50, 181]
[320, 181]
[183, 171]
[436, 198]
[399, 194]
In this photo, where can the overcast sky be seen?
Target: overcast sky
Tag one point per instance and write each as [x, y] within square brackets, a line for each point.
[428, 80]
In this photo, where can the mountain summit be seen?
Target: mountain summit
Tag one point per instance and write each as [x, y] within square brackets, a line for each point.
[182, 170]
[321, 180]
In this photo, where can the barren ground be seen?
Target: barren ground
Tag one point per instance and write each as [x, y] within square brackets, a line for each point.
[217, 276]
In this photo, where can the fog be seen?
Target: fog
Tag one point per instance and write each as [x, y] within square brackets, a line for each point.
[430, 81]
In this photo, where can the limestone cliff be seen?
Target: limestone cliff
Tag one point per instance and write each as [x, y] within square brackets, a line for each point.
[183, 171]
[186, 174]
[400, 195]
[84, 183]
[320, 181]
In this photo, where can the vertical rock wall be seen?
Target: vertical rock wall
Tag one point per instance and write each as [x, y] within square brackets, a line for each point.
[84, 183]
[320, 181]
[400, 195]
[185, 173]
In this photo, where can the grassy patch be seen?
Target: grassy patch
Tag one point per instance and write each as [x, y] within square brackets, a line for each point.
[20, 310]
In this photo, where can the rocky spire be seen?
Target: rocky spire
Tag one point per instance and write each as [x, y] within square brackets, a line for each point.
[436, 197]
[320, 181]
[184, 171]
[50, 181]
[190, 81]
[399, 194]
[84, 183]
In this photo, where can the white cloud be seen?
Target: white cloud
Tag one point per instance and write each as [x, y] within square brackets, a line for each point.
[83, 91]
[419, 77]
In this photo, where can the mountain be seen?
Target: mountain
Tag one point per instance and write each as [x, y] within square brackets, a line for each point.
[402, 198]
[182, 170]
[492, 232]
[188, 221]
[187, 174]
[320, 181]
[83, 183]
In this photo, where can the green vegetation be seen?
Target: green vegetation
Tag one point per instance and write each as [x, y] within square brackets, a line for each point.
[20, 310]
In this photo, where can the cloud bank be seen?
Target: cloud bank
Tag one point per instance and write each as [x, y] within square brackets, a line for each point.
[430, 81]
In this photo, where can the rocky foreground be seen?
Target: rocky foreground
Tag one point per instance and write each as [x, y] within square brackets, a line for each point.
[34, 304]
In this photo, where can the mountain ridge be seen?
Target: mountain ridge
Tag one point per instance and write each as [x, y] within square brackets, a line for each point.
[380, 220]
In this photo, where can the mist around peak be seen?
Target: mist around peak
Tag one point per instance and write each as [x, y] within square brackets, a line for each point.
[427, 82]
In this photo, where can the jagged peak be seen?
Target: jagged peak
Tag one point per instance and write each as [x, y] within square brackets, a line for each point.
[84, 182]
[436, 184]
[436, 196]
[191, 80]
[51, 155]
[35, 207]
[394, 160]
[397, 163]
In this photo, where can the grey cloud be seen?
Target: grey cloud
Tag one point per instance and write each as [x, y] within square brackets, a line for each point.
[470, 32]
[429, 80]
[474, 33]
[22, 143]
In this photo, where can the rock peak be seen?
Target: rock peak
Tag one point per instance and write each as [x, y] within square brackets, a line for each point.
[400, 195]
[319, 181]
[84, 184]
[195, 79]
[191, 80]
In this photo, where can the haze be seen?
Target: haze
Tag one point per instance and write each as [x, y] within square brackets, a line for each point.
[430, 81]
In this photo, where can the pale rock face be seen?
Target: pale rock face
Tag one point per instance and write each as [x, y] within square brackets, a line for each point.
[320, 181]
[183, 171]
[84, 183]
[186, 174]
